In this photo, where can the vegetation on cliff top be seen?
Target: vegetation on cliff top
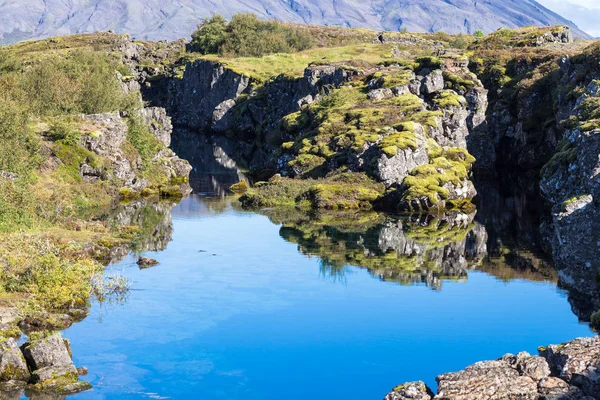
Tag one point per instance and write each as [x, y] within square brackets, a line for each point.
[52, 236]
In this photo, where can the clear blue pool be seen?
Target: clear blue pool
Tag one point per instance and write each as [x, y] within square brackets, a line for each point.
[236, 311]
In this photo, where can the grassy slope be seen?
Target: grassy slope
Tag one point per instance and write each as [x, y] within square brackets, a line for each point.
[53, 234]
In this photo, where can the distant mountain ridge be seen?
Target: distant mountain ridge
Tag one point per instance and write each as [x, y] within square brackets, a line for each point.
[162, 19]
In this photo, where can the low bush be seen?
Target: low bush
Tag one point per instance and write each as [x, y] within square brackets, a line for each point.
[247, 36]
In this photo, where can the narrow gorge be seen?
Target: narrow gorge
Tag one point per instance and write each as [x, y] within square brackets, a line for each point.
[419, 158]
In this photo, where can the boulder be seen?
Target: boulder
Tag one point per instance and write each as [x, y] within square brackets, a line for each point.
[410, 391]
[556, 389]
[12, 363]
[47, 353]
[380, 94]
[9, 176]
[577, 362]
[487, 380]
[433, 82]
[52, 368]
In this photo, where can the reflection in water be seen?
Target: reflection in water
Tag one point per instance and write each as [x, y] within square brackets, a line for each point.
[214, 169]
[407, 250]
[235, 311]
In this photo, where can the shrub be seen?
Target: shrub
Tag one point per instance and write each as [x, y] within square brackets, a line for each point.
[210, 35]
[83, 83]
[479, 34]
[19, 146]
[247, 36]
[61, 130]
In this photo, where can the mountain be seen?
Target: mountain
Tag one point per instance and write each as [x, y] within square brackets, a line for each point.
[162, 19]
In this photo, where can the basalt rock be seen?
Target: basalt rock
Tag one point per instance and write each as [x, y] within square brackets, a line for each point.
[105, 135]
[410, 391]
[577, 362]
[569, 371]
[145, 262]
[12, 363]
[52, 368]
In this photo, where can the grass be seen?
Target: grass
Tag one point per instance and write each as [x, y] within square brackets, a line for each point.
[337, 191]
[262, 69]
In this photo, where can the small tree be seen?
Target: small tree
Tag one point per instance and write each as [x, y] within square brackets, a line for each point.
[479, 34]
[210, 35]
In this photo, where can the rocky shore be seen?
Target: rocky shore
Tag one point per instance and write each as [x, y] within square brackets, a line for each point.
[569, 371]
[43, 364]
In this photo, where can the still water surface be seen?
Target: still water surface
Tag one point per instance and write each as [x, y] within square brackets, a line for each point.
[251, 306]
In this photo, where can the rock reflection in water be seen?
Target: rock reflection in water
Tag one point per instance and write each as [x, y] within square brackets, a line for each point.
[217, 162]
[155, 227]
[408, 250]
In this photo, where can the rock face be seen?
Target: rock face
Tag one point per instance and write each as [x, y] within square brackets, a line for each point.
[105, 135]
[12, 363]
[564, 372]
[577, 362]
[52, 368]
[207, 95]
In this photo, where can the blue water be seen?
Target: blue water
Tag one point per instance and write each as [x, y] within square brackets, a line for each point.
[234, 311]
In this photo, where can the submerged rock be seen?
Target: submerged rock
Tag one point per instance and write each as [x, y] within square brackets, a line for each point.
[145, 262]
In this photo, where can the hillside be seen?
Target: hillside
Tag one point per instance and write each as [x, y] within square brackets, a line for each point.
[158, 19]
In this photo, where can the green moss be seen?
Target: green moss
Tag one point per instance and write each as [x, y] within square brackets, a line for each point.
[240, 187]
[345, 191]
[339, 191]
[458, 82]
[398, 140]
[428, 181]
[449, 98]
[566, 153]
[394, 79]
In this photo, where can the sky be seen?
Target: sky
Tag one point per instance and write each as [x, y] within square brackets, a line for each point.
[585, 13]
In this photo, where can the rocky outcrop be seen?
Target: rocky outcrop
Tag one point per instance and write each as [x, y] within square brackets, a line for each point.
[12, 363]
[106, 135]
[51, 366]
[564, 372]
[410, 391]
[209, 96]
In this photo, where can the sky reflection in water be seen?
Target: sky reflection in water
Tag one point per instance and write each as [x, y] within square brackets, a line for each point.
[235, 311]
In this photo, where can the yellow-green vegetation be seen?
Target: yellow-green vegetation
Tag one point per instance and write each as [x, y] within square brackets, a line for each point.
[438, 233]
[50, 238]
[346, 120]
[262, 69]
[449, 98]
[240, 187]
[338, 191]
[520, 37]
[393, 79]
[352, 239]
[428, 181]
